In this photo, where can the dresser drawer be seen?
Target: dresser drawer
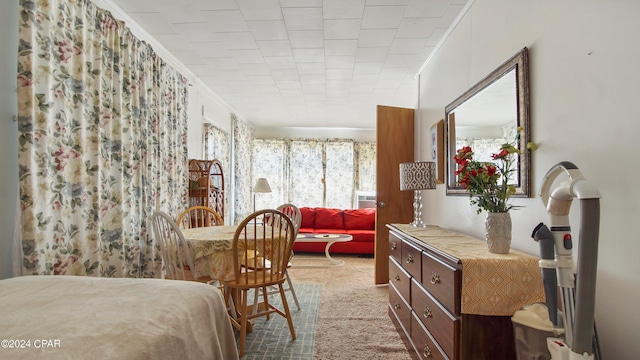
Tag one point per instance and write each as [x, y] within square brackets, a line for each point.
[443, 326]
[442, 281]
[400, 308]
[399, 278]
[395, 244]
[411, 259]
[423, 342]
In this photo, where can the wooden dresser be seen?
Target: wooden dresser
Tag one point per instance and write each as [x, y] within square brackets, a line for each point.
[452, 298]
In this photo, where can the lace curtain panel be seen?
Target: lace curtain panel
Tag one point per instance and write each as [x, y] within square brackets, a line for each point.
[313, 172]
[102, 137]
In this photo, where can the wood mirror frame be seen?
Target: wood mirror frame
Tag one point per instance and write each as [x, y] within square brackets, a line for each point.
[483, 93]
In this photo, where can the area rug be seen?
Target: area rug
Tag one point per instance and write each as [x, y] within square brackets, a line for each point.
[271, 338]
[353, 320]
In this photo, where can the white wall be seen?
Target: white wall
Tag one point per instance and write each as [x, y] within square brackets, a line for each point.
[584, 109]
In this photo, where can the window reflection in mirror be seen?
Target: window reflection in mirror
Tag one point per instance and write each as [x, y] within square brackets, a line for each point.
[487, 116]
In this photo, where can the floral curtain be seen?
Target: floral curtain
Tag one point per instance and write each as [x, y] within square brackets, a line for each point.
[102, 137]
[242, 151]
[313, 172]
[365, 168]
[269, 162]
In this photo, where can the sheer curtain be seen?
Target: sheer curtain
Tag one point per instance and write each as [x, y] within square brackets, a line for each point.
[102, 137]
[313, 172]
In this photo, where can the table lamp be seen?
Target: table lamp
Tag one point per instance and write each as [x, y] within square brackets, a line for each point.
[416, 176]
[262, 186]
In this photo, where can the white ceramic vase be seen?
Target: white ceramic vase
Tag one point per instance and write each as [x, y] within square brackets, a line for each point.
[498, 232]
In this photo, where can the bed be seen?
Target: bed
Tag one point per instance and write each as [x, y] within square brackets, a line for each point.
[78, 317]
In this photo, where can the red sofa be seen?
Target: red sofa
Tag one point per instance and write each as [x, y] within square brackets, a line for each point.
[359, 223]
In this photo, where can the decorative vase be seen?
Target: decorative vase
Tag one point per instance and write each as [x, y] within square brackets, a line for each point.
[498, 232]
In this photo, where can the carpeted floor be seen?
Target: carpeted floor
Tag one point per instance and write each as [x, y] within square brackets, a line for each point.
[344, 316]
[353, 321]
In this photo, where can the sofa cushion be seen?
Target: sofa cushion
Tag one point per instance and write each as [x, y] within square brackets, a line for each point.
[360, 219]
[328, 218]
[308, 217]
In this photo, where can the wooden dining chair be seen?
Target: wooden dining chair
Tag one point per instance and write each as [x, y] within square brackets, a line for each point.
[177, 262]
[261, 253]
[293, 212]
[199, 216]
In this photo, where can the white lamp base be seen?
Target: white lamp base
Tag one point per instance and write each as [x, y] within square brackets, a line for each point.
[417, 210]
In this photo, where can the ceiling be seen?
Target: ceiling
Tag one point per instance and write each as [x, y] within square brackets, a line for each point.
[301, 63]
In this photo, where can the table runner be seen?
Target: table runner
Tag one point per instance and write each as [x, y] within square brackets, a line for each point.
[492, 284]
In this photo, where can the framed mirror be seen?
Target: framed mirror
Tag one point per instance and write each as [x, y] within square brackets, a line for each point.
[487, 116]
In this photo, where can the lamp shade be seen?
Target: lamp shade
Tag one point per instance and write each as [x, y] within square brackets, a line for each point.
[419, 175]
[262, 186]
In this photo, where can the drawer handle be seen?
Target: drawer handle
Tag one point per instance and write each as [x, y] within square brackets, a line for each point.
[427, 312]
[397, 278]
[435, 278]
[427, 351]
[409, 259]
[397, 306]
[393, 246]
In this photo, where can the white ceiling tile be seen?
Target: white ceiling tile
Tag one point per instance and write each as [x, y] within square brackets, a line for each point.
[300, 3]
[203, 4]
[262, 80]
[303, 18]
[431, 8]
[382, 17]
[154, 23]
[407, 46]
[342, 29]
[341, 9]
[399, 61]
[339, 74]
[237, 40]
[260, 9]
[268, 30]
[367, 68]
[376, 38]
[288, 85]
[387, 2]
[317, 79]
[312, 39]
[313, 89]
[339, 62]
[280, 62]
[371, 54]
[275, 48]
[340, 47]
[255, 69]
[338, 84]
[417, 27]
[301, 62]
[285, 74]
[211, 49]
[244, 56]
[308, 55]
[311, 68]
[196, 32]
[226, 63]
[175, 42]
[225, 20]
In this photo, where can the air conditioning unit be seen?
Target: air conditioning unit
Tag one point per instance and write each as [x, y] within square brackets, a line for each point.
[365, 199]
